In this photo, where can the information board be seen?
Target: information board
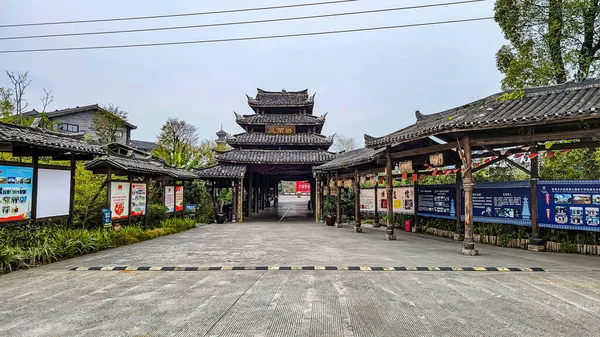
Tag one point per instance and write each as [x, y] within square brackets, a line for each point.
[16, 192]
[170, 198]
[404, 200]
[53, 192]
[437, 201]
[138, 199]
[367, 200]
[569, 205]
[178, 198]
[505, 203]
[119, 200]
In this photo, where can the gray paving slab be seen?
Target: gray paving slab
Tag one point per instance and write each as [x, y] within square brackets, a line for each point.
[53, 301]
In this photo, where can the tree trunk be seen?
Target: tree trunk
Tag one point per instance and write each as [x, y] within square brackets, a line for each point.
[554, 39]
[588, 49]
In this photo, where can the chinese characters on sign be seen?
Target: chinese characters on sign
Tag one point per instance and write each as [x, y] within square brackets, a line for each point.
[170, 198]
[280, 130]
[402, 200]
[437, 201]
[119, 200]
[506, 203]
[302, 187]
[138, 199]
[178, 198]
[569, 205]
[367, 200]
[15, 192]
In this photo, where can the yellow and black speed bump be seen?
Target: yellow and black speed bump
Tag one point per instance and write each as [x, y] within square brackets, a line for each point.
[356, 268]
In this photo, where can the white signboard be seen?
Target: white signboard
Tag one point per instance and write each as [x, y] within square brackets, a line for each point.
[404, 200]
[170, 198]
[119, 200]
[53, 192]
[367, 200]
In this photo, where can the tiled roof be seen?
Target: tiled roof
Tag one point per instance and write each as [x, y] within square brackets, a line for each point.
[544, 105]
[275, 156]
[42, 138]
[259, 138]
[144, 145]
[280, 119]
[281, 98]
[351, 158]
[224, 171]
[68, 111]
[144, 166]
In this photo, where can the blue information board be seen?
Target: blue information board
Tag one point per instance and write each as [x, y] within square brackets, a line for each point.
[15, 192]
[569, 204]
[505, 203]
[106, 217]
[437, 201]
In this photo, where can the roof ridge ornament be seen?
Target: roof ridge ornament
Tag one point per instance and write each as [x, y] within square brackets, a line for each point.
[419, 115]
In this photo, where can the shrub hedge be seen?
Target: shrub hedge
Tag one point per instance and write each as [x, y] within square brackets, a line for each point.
[27, 247]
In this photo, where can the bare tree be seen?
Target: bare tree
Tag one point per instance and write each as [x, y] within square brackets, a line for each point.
[20, 83]
[46, 99]
[343, 144]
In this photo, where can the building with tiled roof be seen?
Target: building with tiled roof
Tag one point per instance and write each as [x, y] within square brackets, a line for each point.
[282, 140]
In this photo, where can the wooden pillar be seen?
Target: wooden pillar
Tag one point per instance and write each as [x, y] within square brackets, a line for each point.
[469, 245]
[130, 180]
[240, 200]
[249, 202]
[147, 181]
[535, 243]
[357, 222]
[34, 185]
[256, 193]
[72, 191]
[313, 194]
[321, 201]
[338, 201]
[376, 223]
[460, 229]
[389, 230]
[416, 201]
[234, 200]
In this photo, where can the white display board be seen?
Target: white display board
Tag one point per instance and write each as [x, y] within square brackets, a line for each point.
[403, 200]
[138, 199]
[53, 192]
[119, 200]
[170, 198]
[367, 200]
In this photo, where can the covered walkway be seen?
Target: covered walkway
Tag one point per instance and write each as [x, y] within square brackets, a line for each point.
[289, 208]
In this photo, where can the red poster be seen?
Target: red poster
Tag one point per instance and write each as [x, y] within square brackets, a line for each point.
[178, 198]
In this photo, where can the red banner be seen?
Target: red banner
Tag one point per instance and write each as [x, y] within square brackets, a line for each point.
[302, 187]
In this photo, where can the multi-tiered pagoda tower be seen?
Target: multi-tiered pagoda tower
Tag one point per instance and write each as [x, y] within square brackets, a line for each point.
[282, 140]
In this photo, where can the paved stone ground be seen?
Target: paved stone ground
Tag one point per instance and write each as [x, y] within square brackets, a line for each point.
[54, 301]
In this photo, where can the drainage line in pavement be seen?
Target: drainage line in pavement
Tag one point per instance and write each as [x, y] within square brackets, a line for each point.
[284, 214]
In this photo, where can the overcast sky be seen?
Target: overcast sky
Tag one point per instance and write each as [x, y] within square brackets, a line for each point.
[369, 82]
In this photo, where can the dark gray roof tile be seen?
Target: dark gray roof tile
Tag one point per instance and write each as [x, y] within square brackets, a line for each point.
[275, 156]
[42, 138]
[280, 119]
[281, 98]
[350, 158]
[258, 138]
[553, 104]
[222, 171]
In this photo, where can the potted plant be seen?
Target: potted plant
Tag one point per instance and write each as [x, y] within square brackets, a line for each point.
[329, 210]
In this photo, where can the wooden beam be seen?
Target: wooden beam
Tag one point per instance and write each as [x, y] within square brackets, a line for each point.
[543, 137]
[520, 167]
[491, 162]
[424, 150]
[389, 230]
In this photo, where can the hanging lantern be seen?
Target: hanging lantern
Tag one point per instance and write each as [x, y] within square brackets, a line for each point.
[340, 183]
[331, 183]
[347, 183]
[363, 180]
[406, 166]
[436, 159]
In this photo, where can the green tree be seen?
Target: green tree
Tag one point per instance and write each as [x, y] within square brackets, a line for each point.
[178, 145]
[550, 41]
[6, 102]
[108, 121]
